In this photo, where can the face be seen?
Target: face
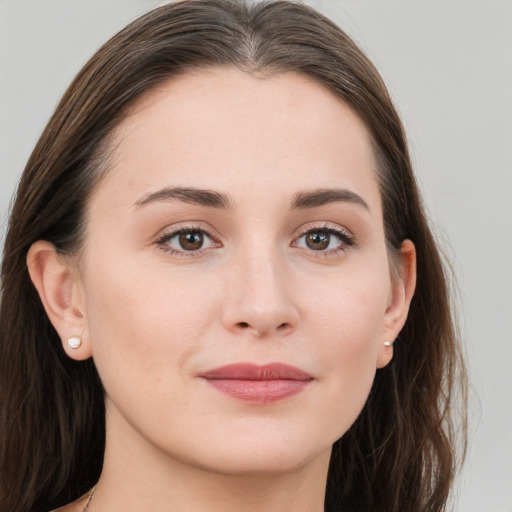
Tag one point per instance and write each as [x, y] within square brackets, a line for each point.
[234, 284]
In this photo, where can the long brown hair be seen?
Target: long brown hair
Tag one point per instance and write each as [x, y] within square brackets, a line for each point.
[399, 455]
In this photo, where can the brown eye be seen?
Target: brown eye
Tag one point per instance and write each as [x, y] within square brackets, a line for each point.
[187, 240]
[191, 240]
[317, 240]
[326, 240]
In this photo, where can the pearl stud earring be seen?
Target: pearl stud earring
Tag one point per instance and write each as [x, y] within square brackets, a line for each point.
[388, 343]
[74, 341]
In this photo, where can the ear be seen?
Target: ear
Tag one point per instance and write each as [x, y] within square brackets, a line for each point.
[57, 283]
[402, 291]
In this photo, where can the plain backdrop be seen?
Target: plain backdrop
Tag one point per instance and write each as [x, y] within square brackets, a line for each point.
[448, 64]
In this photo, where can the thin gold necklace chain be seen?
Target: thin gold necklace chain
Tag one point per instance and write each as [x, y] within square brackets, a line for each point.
[89, 499]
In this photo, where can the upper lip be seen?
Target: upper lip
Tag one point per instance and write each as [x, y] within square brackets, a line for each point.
[251, 371]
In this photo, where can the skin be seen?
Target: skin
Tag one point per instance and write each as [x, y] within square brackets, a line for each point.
[154, 320]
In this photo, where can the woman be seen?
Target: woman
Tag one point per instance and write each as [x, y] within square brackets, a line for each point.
[220, 291]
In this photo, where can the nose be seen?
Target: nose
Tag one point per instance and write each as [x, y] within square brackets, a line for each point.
[260, 300]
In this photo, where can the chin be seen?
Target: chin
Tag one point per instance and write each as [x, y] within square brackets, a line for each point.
[262, 464]
[263, 453]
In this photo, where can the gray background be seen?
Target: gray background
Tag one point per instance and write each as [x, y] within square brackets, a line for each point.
[448, 65]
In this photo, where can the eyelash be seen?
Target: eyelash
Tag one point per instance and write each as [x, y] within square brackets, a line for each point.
[346, 239]
[163, 241]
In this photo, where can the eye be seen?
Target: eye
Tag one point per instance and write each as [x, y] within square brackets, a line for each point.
[325, 239]
[186, 240]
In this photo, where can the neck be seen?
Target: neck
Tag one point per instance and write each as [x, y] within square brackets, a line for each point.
[138, 476]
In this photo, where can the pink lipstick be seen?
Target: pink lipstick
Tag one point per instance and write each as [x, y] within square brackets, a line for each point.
[258, 384]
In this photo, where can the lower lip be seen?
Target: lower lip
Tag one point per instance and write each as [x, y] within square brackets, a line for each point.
[259, 391]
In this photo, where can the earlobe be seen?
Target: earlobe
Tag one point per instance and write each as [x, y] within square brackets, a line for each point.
[56, 283]
[403, 287]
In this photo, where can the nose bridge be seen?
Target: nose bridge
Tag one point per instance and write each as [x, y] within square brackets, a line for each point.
[260, 299]
[263, 278]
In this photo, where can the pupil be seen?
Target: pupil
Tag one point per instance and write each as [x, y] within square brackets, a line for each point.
[191, 241]
[317, 240]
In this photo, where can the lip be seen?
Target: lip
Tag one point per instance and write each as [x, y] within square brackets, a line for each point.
[258, 384]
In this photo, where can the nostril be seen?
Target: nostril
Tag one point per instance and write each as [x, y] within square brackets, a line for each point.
[263, 329]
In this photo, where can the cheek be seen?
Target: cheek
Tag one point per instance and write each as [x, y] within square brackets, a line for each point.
[142, 325]
[348, 315]
[347, 324]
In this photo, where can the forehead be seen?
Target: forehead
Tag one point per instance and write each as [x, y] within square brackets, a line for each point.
[222, 128]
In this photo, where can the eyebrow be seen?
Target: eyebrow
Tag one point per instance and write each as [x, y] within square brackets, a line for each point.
[321, 197]
[201, 197]
[214, 199]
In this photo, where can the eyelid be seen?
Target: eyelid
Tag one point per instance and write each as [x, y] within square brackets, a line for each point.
[168, 233]
[347, 239]
[324, 225]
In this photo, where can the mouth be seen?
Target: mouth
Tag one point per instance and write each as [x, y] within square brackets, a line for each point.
[258, 384]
